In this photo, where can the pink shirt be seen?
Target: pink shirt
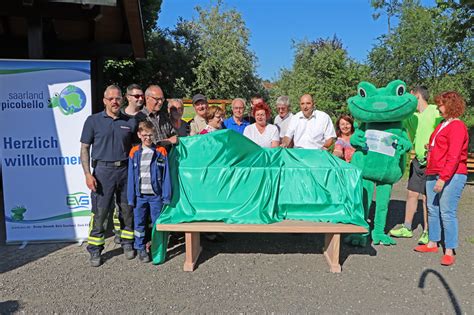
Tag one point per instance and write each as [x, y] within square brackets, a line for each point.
[344, 147]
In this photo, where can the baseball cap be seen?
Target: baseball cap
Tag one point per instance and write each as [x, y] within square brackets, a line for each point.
[199, 97]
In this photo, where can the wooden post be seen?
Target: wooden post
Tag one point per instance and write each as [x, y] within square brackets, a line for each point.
[193, 249]
[35, 38]
[331, 251]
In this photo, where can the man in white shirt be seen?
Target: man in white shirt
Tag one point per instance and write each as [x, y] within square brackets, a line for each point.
[282, 120]
[310, 128]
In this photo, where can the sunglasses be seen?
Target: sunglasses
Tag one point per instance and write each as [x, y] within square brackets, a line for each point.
[137, 96]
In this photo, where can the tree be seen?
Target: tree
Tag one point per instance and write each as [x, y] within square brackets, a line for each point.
[323, 69]
[418, 52]
[391, 8]
[225, 66]
[171, 58]
[461, 18]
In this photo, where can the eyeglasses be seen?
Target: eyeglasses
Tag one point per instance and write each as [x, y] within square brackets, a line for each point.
[158, 99]
[137, 96]
[146, 135]
[110, 99]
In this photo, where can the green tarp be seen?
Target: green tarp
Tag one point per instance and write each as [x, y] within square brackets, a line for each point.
[223, 176]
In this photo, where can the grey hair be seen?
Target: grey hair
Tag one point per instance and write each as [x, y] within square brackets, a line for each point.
[238, 99]
[151, 87]
[112, 87]
[176, 100]
[283, 100]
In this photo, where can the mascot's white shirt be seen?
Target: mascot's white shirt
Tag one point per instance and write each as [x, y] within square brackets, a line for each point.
[312, 132]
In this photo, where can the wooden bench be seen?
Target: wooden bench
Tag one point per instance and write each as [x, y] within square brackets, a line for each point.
[332, 233]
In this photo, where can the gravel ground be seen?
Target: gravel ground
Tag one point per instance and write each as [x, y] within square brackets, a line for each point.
[267, 273]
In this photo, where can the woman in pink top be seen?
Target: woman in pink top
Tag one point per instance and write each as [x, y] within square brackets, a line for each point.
[446, 172]
[344, 131]
[214, 117]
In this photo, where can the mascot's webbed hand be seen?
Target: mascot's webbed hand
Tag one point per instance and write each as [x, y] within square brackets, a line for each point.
[401, 144]
[358, 139]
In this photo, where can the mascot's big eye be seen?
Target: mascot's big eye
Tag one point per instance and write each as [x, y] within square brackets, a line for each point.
[362, 92]
[400, 90]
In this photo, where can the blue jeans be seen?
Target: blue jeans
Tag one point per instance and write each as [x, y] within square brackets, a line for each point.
[145, 204]
[443, 208]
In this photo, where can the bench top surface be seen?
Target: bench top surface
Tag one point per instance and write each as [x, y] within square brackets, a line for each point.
[287, 226]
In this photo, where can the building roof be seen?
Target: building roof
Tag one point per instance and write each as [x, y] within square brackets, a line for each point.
[71, 29]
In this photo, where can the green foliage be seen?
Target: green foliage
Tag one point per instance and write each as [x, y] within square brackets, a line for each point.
[322, 69]
[150, 10]
[171, 56]
[461, 18]
[225, 66]
[418, 53]
[390, 7]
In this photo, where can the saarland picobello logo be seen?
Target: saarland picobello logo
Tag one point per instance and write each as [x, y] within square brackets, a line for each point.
[71, 100]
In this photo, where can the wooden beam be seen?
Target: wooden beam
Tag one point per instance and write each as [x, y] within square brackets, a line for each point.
[35, 38]
[75, 50]
[332, 243]
[287, 226]
[49, 10]
[135, 27]
[193, 249]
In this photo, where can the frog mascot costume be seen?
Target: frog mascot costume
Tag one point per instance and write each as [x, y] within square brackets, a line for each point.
[381, 145]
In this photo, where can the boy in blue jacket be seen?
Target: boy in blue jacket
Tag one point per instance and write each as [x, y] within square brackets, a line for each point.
[149, 184]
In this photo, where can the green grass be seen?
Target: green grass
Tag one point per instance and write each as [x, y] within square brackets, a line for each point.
[470, 239]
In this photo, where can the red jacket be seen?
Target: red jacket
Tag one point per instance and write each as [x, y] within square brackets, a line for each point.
[448, 156]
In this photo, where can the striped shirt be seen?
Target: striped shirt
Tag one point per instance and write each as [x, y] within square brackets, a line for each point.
[145, 177]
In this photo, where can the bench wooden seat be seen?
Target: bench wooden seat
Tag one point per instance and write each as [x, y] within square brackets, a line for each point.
[332, 233]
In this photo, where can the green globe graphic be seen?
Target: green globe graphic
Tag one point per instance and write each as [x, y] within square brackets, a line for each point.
[71, 100]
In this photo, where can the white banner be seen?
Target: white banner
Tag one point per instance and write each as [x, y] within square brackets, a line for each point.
[43, 107]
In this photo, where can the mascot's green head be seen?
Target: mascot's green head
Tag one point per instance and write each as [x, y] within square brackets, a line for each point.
[387, 104]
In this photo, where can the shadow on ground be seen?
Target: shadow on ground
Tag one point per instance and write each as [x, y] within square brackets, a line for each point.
[449, 291]
[9, 307]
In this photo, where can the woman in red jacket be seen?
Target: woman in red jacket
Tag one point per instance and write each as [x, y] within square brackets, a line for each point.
[446, 172]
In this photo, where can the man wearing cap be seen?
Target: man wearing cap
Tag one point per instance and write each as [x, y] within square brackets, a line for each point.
[164, 133]
[198, 123]
[109, 133]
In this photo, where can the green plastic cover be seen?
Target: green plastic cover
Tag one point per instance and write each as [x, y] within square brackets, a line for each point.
[224, 176]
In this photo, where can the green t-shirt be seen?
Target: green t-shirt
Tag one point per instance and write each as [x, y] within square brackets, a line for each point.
[420, 126]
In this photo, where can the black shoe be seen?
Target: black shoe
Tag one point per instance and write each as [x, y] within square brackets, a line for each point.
[143, 256]
[96, 259]
[128, 251]
[117, 239]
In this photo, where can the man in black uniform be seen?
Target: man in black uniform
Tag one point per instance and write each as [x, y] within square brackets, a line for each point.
[109, 133]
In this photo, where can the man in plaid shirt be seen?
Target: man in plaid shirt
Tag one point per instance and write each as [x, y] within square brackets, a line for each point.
[164, 133]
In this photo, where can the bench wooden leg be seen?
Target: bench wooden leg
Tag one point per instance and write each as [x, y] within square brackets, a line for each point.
[331, 251]
[193, 249]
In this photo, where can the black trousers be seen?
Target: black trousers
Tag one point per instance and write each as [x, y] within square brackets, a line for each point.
[111, 182]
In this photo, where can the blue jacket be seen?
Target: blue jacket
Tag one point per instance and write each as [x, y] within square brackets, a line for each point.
[160, 175]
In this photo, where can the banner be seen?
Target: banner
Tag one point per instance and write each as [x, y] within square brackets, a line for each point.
[43, 107]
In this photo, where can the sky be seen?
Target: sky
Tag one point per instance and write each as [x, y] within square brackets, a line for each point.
[275, 24]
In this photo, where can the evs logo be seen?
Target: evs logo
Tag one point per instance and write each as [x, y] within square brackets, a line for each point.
[78, 200]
